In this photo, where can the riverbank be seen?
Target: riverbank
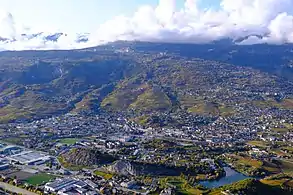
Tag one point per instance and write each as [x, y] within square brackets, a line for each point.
[230, 177]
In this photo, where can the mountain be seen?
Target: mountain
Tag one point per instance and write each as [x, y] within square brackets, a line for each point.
[141, 77]
[46, 37]
[275, 59]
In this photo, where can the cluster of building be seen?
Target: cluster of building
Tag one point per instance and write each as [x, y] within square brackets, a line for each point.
[70, 186]
[187, 137]
[29, 158]
[20, 155]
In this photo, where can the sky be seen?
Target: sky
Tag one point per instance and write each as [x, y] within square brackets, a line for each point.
[78, 15]
[196, 21]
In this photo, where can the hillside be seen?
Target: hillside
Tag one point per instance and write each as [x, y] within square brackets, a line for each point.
[255, 187]
[81, 157]
[149, 78]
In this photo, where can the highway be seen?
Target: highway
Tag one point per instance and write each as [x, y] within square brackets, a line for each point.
[15, 189]
[2, 192]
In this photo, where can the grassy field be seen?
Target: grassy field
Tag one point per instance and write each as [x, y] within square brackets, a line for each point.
[26, 106]
[248, 165]
[271, 167]
[211, 108]
[273, 182]
[253, 167]
[287, 166]
[268, 186]
[106, 176]
[288, 103]
[278, 180]
[285, 104]
[151, 99]
[182, 186]
[288, 126]
[280, 130]
[290, 149]
[69, 166]
[205, 108]
[14, 140]
[250, 162]
[226, 111]
[39, 179]
[69, 141]
[260, 144]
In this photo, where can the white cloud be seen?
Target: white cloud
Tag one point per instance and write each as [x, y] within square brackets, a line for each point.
[235, 19]
[281, 28]
[7, 25]
[260, 21]
[165, 11]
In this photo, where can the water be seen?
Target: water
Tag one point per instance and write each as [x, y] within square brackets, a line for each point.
[231, 177]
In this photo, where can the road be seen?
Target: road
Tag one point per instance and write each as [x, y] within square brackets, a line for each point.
[2, 192]
[15, 189]
[132, 191]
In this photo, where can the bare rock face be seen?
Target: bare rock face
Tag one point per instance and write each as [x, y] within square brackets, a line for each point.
[129, 168]
[167, 191]
[124, 168]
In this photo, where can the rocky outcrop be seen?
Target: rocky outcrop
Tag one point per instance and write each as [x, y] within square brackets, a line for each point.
[124, 168]
[129, 168]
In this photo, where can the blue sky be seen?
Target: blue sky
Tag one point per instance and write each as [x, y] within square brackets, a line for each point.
[77, 15]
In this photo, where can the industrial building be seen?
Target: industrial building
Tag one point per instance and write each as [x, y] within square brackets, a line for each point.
[4, 164]
[67, 186]
[29, 158]
[10, 150]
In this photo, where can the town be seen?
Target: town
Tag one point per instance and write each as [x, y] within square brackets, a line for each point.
[172, 125]
[118, 155]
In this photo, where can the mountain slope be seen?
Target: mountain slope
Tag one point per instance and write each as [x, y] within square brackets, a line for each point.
[137, 77]
[274, 59]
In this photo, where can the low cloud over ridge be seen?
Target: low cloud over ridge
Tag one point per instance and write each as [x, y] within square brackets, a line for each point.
[251, 21]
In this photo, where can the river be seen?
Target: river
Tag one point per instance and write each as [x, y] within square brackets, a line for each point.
[231, 177]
